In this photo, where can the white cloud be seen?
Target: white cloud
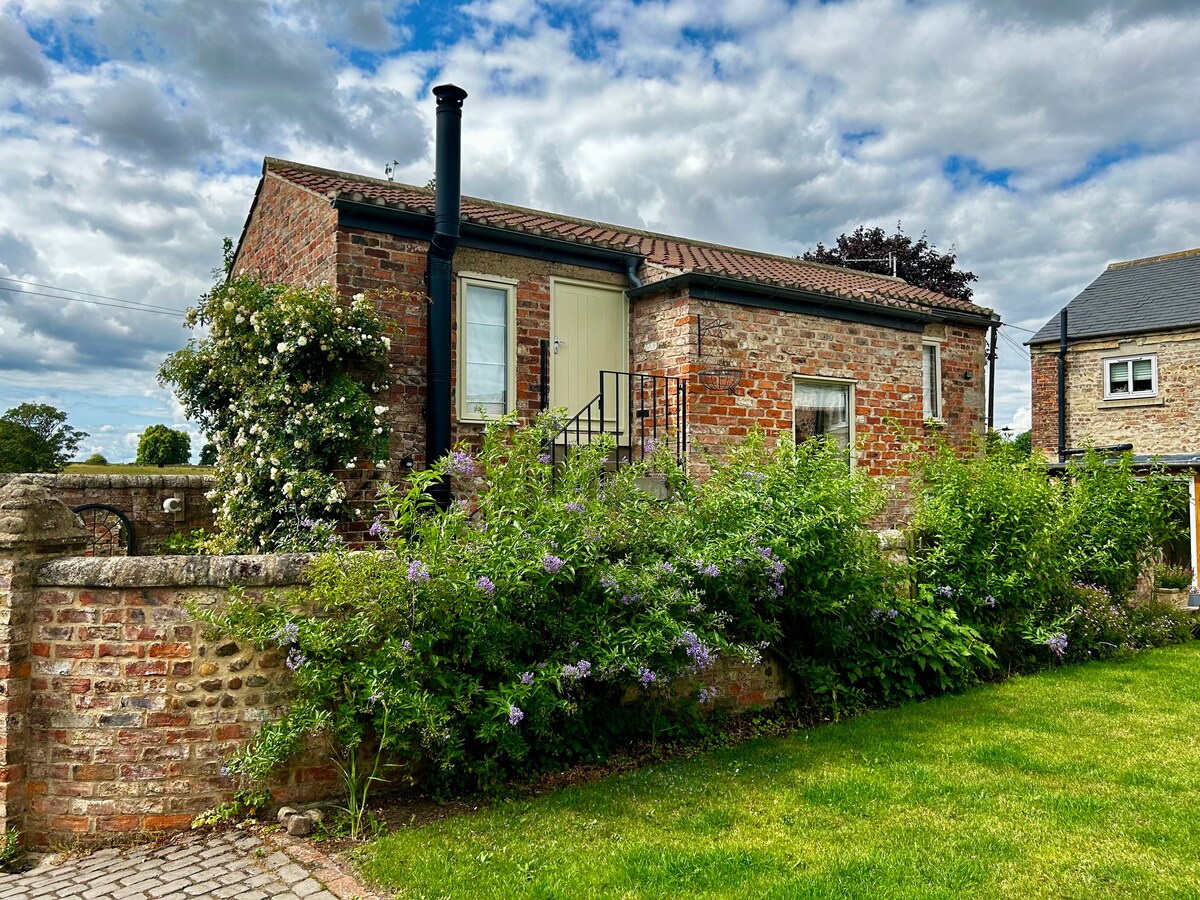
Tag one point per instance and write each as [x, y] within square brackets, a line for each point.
[761, 124]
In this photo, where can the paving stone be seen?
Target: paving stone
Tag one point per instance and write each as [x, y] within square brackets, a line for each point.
[222, 866]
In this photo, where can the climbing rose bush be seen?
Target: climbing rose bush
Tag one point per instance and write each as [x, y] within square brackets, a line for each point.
[283, 382]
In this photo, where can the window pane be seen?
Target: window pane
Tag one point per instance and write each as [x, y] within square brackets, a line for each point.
[929, 373]
[1118, 377]
[822, 410]
[486, 352]
[1143, 373]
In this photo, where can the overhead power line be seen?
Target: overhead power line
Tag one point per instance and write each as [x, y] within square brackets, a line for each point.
[64, 290]
[130, 305]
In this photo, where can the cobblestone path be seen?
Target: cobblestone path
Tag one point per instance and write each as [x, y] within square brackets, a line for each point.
[233, 864]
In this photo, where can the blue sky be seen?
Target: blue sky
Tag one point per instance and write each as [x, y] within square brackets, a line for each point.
[1040, 139]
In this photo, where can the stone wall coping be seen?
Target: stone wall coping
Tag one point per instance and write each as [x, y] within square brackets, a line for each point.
[51, 481]
[267, 570]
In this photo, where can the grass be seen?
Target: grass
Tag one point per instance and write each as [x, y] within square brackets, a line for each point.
[131, 469]
[1083, 782]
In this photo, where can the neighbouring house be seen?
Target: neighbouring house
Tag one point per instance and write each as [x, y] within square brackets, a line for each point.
[1125, 372]
[497, 308]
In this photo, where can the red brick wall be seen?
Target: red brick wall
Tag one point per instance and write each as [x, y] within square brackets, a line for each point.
[1044, 393]
[290, 236]
[131, 711]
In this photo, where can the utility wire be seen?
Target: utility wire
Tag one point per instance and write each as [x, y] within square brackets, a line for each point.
[63, 290]
[1014, 345]
[145, 308]
[1017, 327]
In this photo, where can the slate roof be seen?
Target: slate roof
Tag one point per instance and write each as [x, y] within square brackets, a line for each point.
[1152, 294]
[672, 255]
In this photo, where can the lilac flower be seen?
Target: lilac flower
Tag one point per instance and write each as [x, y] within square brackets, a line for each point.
[378, 529]
[989, 601]
[652, 445]
[406, 646]
[945, 591]
[666, 567]
[295, 659]
[646, 677]
[707, 695]
[577, 672]
[485, 584]
[892, 613]
[417, 571]
[630, 599]
[1057, 644]
[515, 715]
[461, 463]
[288, 634]
[709, 569]
[574, 507]
[226, 770]
[307, 523]
[551, 563]
[376, 696]
[526, 678]
[545, 459]
[608, 582]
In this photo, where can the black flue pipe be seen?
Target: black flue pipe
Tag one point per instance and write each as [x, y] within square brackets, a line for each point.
[447, 205]
[1062, 385]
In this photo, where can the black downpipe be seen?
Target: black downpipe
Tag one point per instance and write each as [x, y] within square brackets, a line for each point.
[991, 401]
[1062, 386]
[447, 206]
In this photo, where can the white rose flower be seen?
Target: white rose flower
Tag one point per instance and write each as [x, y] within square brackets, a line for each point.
[380, 410]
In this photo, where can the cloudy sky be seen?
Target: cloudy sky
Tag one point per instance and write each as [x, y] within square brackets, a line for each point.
[1041, 139]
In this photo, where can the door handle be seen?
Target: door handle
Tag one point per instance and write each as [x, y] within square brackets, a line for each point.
[557, 344]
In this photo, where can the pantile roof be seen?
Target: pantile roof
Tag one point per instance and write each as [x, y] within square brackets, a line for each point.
[673, 255]
[1157, 293]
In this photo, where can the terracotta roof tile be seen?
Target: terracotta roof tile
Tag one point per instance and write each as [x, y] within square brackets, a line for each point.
[660, 250]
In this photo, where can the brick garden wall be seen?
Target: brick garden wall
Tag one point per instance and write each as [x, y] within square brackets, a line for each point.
[1162, 424]
[131, 710]
[139, 497]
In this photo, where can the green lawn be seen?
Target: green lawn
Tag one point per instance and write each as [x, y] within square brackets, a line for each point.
[1082, 782]
[131, 469]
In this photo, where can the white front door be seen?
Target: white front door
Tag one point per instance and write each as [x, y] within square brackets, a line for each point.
[589, 332]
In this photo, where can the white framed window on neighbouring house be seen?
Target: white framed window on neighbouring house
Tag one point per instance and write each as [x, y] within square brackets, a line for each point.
[487, 347]
[931, 380]
[824, 408]
[1131, 376]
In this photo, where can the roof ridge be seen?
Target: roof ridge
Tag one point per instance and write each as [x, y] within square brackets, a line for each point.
[1178, 254]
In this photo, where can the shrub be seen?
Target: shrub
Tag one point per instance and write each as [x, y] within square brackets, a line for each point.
[96, 459]
[283, 384]
[1174, 578]
[491, 641]
[1114, 522]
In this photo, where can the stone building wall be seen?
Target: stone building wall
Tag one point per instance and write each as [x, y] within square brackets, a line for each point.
[1166, 423]
[289, 236]
[139, 497]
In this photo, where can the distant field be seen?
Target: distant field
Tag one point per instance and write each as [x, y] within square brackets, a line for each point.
[130, 469]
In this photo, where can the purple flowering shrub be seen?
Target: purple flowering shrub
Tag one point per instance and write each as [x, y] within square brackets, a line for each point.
[500, 637]
[1005, 547]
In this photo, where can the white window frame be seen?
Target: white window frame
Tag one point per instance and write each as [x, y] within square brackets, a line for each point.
[934, 415]
[467, 413]
[1131, 394]
[849, 385]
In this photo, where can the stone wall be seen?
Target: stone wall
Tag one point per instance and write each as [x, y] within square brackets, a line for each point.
[1165, 423]
[139, 497]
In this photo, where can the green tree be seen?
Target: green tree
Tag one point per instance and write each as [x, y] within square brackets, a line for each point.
[917, 262]
[1022, 442]
[96, 459]
[163, 446]
[34, 437]
[208, 454]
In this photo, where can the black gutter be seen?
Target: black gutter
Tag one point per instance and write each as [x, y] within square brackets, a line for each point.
[1062, 385]
[724, 289]
[406, 223]
[448, 175]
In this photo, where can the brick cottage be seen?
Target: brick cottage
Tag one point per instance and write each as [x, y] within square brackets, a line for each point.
[495, 308]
